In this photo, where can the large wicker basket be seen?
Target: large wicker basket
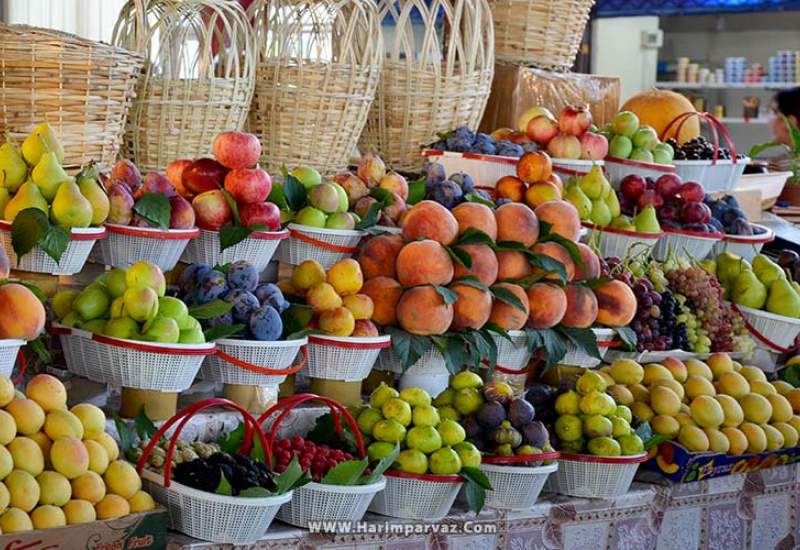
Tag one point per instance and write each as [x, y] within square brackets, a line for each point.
[543, 33]
[198, 78]
[318, 68]
[83, 89]
[437, 76]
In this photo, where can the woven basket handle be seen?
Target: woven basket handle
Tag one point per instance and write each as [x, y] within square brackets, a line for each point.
[713, 123]
[290, 403]
[184, 415]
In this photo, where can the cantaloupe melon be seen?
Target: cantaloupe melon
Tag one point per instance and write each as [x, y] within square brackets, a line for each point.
[657, 108]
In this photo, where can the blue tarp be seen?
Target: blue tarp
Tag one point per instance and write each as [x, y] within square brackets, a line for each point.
[618, 8]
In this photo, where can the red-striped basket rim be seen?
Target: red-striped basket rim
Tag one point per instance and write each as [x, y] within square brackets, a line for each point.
[666, 168]
[434, 478]
[760, 337]
[76, 234]
[569, 171]
[496, 159]
[633, 459]
[767, 237]
[695, 234]
[623, 232]
[517, 459]
[347, 342]
[135, 345]
[153, 232]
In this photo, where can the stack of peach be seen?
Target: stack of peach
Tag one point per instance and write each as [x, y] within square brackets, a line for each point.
[535, 182]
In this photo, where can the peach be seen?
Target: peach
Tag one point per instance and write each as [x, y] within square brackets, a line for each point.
[122, 479]
[98, 457]
[15, 520]
[352, 185]
[174, 173]
[109, 444]
[48, 392]
[69, 457]
[556, 180]
[421, 310]
[562, 217]
[484, 264]
[616, 304]
[395, 210]
[424, 263]
[44, 443]
[512, 264]
[591, 264]
[111, 507]
[27, 414]
[541, 192]
[517, 222]
[47, 516]
[235, 150]
[322, 297]
[534, 166]
[337, 322]
[548, 305]
[507, 316]
[378, 256]
[677, 368]
[24, 490]
[7, 391]
[371, 169]
[476, 216]
[581, 307]
[364, 328]
[8, 428]
[395, 183]
[472, 309]
[556, 252]
[23, 314]
[511, 188]
[211, 210]
[62, 423]
[55, 489]
[345, 277]
[308, 274]
[430, 220]
[385, 293]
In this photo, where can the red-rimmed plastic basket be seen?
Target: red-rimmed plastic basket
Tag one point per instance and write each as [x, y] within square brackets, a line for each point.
[576, 357]
[746, 246]
[772, 332]
[592, 476]
[9, 350]
[688, 244]
[426, 497]
[257, 249]
[253, 363]
[349, 359]
[125, 245]
[717, 176]
[208, 516]
[484, 170]
[515, 484]
[81, 242]
[131, 363]
[617, 243]
[618, 168]
[327, 246]
[575, 167]
[320, 501]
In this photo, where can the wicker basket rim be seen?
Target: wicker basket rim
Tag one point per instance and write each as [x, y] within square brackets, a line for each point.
[62, 36]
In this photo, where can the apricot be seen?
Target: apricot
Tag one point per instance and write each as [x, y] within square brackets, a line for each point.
[345, 277]
[23, 314]
[541, 192]
[62, 423]
[563, 218]
[511, 188]
[473, 215]
[424, 263]
[556, 252]
[430, 220]
[112, 506]
[507, 316]
[581, 307]
[79, 511]
[5, 497]
[591, 264]
[378, 256]
[92, 418]
[484, 263]
[534, 166]
[24, 490]
[512, 264]
[98, 457]
[69, 457]
[6, 462]
[616, 304]
[337, 322]
[472, 309]
[322, 297]
[141, 502]
[360, 305]
[385, 293]
[48, 392]
[421, 310]
[15, 520]
[47, 517]
[7, 391]
[307, 274]
[54, 488]
[122, 479]
[28, 415]
[89, 487]
[27, 455]
[516, 222]
[8, 428]
[548, 304]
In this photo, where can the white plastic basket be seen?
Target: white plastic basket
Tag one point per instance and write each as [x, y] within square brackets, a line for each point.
[125, 245]
[212, 517]
[512, 355]
[770, 185]
[595, 476]
[131, 363]
[429, 373]
[575, 167]
[412, 496]
[349, 359]
[81, 242]
[256, 249]
[776, 329]
[8, 355]
[484, 170]
[327, 246]
[255, 356]
[578, 358]
[746, 246]
[618, 168]
[688, 244]
[321, 502]
[617, 243]
[515, 487]
[720, 177]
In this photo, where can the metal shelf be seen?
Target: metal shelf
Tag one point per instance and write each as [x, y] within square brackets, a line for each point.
[725, 86]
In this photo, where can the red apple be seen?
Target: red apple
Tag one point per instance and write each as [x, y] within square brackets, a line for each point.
[182, 215]
[248, 185]
[668, 185]
[237, 150]
[203, 175]
[175, 174]
[649, 197]
[156, 183]
[593, 146]
[692, 191]
[632, 186]
[574, 120]
[564, 146]
[541, 130]
[261, 213]
[212, 210]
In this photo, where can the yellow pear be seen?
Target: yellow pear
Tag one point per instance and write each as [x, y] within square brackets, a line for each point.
[96, 196]
[49, 175]
[28, 196]
[40, 141]
[70, 208]
[12, 166]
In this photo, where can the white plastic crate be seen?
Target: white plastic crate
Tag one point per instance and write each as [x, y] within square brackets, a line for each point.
[322, 502]
[591, 476]
[8, 355]
[327, 246]
[613, 242]
[515, 487]
[512, 355]
[746, 246]
[125, 245]
[578, 358]
[81, 242]
[411, 496]
[618, 168]
[343, 358]
[256, 249]
[720, 177]
[776, 329]
[257, 355]
[687, 244]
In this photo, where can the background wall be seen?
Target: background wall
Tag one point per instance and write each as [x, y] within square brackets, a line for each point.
[92, 19]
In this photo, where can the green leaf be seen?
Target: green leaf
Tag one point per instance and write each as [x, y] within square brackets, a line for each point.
[475, 236]
[761, 147]
[794, 132]
[27, 230]
[35, 289]
[381, 195]
[571, 247]
[255, 492]
[509, 246]
[210, 310]
[346, 473]
[476, 486]
[594, 284]
[232, 235]
[416, 191]
[230, 442]
[324, 432]
[401, 345]
[459, 256]
[154, 208]
[628, 337]
[550, 341]
[224, 487]
[384, 464]
[470, 280]
[544, 230]
[295, 192]
[222, 331]
[451, 352]
[124, 432]
[302, 333]
[89, 171]
[530, 280]
[472, 196]
[291, 478]
[654, 441]
[548, 264]
[277, 196]
[447, 295]
[55, 242]
[257, 452]
[371, 217]
[476, 475]
[38, 347]
[497, 329]
[145, 428]
[583, 338]
[507, 297]
[233, 206]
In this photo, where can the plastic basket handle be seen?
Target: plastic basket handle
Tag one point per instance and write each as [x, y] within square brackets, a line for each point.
[713, 123]
[264, 370]
[23, 367]
[322, 244]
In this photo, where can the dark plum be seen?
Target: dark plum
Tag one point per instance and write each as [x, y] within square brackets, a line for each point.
[244, 303]
[535, 434]
[491, 414]
[266, 324]
[242, 274]
[520, 413]
[270, 294]
[210, 286]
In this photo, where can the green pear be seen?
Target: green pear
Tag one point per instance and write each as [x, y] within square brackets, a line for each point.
[42, 140]
[4, 198]
[729, 265]
[766, 270]
[70, 208]
[13, 167]
[122, 327]
[709, 265]
[646, 220]
[161, 329]
[796, 287]
[783, 300]
[748, 291]
[49, 175]
[594, 183]
[117, 308]
[72, 319]
[601, 215]
[580, 201]
[28, 196]
[623, 222]
[612, 202]
[94, 193]
[140, 304]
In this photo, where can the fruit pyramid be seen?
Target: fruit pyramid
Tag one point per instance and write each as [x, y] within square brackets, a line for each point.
[58, 466]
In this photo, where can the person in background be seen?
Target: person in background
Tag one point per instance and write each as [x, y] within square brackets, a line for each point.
[787, 103]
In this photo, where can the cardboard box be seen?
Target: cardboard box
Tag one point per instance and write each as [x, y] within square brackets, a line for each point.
[676, 463]
[145, 530]
[516, 89]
